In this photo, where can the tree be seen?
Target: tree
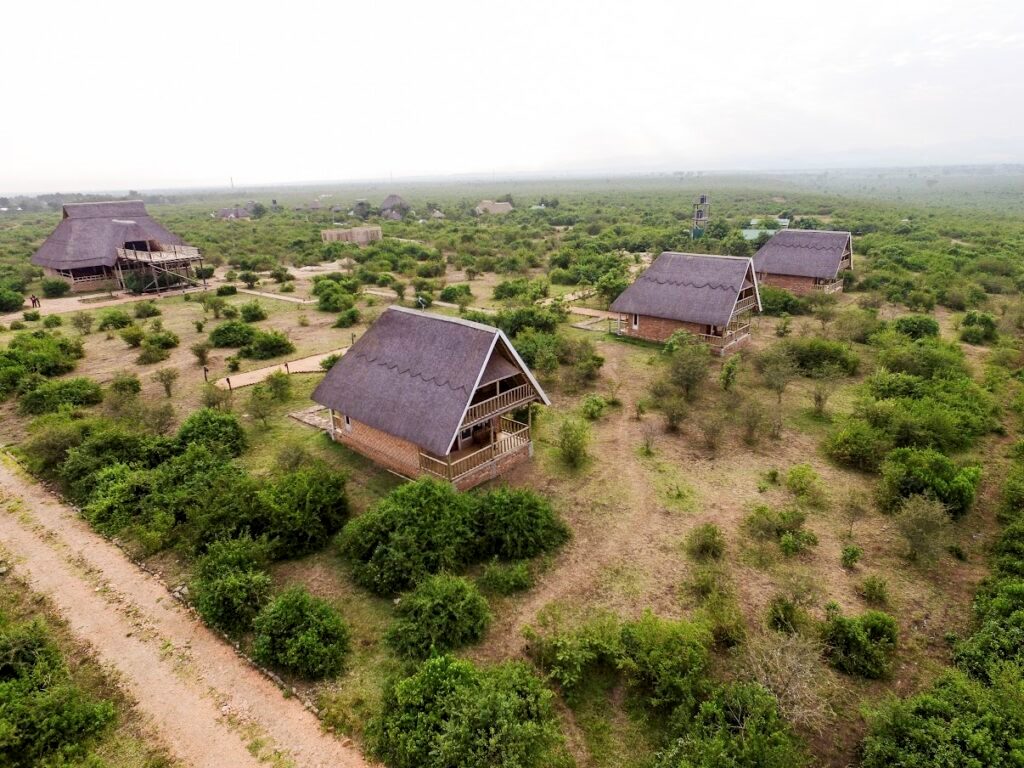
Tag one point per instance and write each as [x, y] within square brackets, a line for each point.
[201, 350]
[249, 278]
[730, 371]
[924, 524]
[261, 404]
[778, 369]
[166, 377]
[688, 363]
[825, 380]
[259, 210]
[573, 437]
[82, 322]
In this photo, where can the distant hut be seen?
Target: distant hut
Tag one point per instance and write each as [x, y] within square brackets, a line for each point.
[493, 208]
[709, 296]
[105, 246]
[436, 214]
[805, 260]
[237, 212]
[357, 235]
[394, 207]
[424, 394]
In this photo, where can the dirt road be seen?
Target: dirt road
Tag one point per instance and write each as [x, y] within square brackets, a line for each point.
[212, 709]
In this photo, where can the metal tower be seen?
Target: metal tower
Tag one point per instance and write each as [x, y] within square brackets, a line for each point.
[701, 215]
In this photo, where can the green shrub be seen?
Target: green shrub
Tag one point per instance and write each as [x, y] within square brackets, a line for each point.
[593, 407]
[161, 339]
[144, 309]
[332, 297]
[227, 290]
[229, 585]
[53, 288]
[52, 395]
[31, 315]
[152, 352]
[804, 483]
[442, 613]
[114, 319]
[916, 326]
[215, 429]
[133, 335]
[739, 726]
[46, 718]
[279, 385]
[516, 524]
[12, 301]
[348, 318]
[505, 578]
[450, 713]
[814, 355]
[978, 328]
[923, 471]
[267, 344]
[776, 301]
[304, 509]
[874, 590]
[705, 542]
[252, 311]
[232, 333]
[954, 722]
[419, 529]
[103, 444]
[851, 556]
[786, 615]
[52, 321]
[454, 293]
[302, 634]
[796, 542]
[568, 656]
[573, 438]
[860, 645]
[667, 661]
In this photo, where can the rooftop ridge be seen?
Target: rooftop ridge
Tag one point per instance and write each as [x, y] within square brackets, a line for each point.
[446, 319]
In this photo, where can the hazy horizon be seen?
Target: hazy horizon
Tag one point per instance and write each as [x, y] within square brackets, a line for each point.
[452, 90]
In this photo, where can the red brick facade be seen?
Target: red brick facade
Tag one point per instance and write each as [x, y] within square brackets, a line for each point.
[798, 286]
[657, 329]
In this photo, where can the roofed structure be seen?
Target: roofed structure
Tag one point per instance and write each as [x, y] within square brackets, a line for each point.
[357, 235]
[234, 213]
[424, 393]
[103, 245]
[394, 204]
[710, 296]
[803, 260]
[491, 207]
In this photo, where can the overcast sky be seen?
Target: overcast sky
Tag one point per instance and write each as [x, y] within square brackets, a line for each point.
[142, 94]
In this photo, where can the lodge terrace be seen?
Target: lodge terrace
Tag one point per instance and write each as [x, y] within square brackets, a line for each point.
[425, 394]
[117, 245]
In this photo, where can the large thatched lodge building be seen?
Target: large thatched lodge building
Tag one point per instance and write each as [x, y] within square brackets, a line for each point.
[711, 297]
[117, 245]
[424, 394]
[805, 260]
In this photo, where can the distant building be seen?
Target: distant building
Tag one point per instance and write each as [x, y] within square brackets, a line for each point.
[805, 260]
[493, 208]
[394, 207]
[357, 235]
[424, 394]
[237, 212]
[436, 214]
[103, 246]
[709, 296]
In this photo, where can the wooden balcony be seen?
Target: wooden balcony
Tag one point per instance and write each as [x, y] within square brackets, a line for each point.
[165, 254]
[743, 305]
[833, 286]
[723, 343]
[513, 436]
[506, 401]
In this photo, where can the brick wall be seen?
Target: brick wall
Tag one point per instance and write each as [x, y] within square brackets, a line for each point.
[495, 468]
[389, 451]
[657, 328]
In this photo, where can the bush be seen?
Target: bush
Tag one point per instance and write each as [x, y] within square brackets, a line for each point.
[568, 656]
[53, 288]
[227, 290]
[229, 585]
[125, 383]
[442, 613]
[776, 301]
[874, 590]
[304, 509]
[861, 645]
[516, 524]
[348, 318]
[152, 352]
[47, 718]
[31, 315]
[267, 344]
[593, 407]
[114, 319]
[813, 355]
[689, 360]
[954, 722]
[851, 556]
[978, 328]
[450, 713]
[419, 529]
[279, 385]
[916, 326]
[332, 297]
[505, 578]
[144, 309]
[908, 472]
[738, 726]
[215, 429]
[573, 438]
[667, 660]
[252, 311]
[133, 335]
[232, 333]
[302, 634]
[52, 321]
[51, 395]
[706, 542]
[923, 522]
[804, 483]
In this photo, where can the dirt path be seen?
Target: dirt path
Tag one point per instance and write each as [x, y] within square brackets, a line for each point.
[309, 364]
[277, 296]
[211, 708]
[90, 301]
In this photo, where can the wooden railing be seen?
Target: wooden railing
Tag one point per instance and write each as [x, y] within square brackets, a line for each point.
[727, 339]
[498, 404]
[514, 435]
[79, 279]
[744, 304]
[830, 287]
[166, 253]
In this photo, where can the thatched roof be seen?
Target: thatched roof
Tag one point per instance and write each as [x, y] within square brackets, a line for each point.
[689, 287]
[489, 206]
[413, 374]
[89, 234]
[393, 202]
[803, 253]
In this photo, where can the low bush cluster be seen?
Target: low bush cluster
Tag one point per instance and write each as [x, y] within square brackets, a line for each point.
[302, 634]
[860, 645]
[267, 344]
[426, 527]
[43, 353]
[442, 613]
[50, 396]
[232, 333]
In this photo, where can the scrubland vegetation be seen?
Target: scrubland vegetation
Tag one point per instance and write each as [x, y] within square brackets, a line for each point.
[805, 554]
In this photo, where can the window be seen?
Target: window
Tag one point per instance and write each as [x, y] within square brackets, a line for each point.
[636, 322]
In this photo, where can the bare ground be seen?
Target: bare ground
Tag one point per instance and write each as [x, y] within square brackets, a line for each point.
[210, 707]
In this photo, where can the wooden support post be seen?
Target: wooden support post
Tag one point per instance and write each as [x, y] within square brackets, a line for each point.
[449, 470]
[228, 380]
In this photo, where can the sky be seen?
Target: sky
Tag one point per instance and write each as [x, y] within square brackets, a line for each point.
[147, 95]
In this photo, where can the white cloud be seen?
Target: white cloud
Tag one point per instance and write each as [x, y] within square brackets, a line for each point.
[119, 94]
